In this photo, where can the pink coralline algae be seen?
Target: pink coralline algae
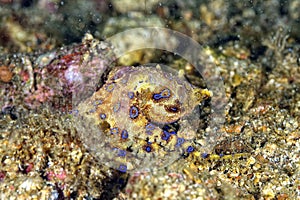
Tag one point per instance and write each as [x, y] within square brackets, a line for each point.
[141, 117]
[76, 73]
[62, 78]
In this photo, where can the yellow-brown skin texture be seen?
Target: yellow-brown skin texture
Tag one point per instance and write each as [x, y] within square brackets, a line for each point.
[134, 112]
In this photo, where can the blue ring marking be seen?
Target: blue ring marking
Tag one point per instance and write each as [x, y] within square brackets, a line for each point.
[180, 141]
[149, 132]
[117, 107]
[124, 134]
[133, 112]
[190, 149]
[74, 112]
[168, 76]
[122, 153]
[167, 95]
[124, 81]
[148, 149]
[130, 95]
[102, 116]
[97, 102]
[114, 130]
[92, 110]
[166, 135]
[110, 87]
[157, 96]
[173, 132]
[122, 168]
[150, 127]
[204, 155]
[166, 128]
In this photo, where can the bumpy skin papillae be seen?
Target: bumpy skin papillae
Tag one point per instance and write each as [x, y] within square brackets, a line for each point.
[135, 111]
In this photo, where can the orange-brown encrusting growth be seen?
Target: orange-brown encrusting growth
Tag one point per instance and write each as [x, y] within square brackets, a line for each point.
[5, 74]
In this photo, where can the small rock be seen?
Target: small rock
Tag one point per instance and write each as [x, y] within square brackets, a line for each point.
[5, 74]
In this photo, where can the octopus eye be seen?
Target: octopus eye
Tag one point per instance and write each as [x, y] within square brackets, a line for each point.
[172, 108]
